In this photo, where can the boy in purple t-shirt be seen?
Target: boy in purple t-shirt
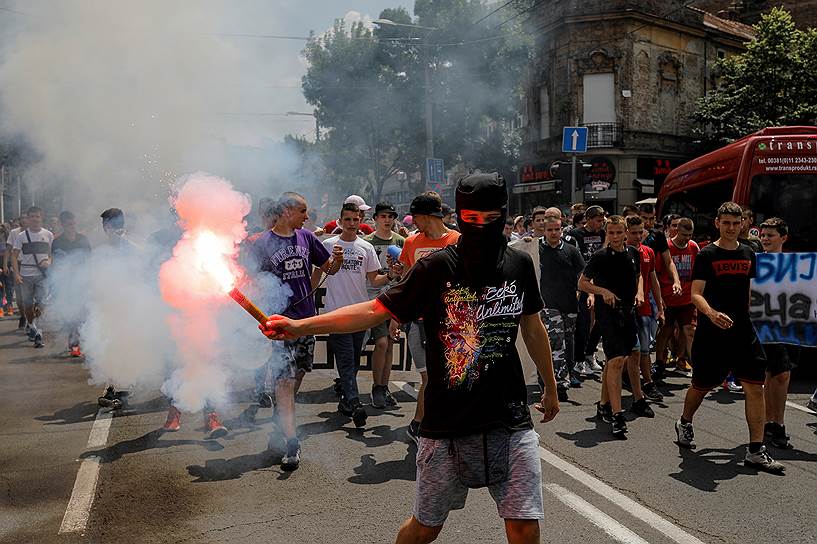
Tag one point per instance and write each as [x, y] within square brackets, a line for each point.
[291, 253]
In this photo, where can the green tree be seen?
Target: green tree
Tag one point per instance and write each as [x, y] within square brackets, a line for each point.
[773, 83]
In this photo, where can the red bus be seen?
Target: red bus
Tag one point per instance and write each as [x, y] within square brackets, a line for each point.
[773, 171]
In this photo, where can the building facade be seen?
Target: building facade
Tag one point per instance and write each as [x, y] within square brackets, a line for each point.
[631, 72]
[804, 12]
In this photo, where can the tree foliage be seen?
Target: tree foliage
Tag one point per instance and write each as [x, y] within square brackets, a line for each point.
[773, 83]
[369, 91]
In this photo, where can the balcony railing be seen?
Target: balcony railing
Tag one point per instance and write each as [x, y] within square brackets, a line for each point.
[604, 135]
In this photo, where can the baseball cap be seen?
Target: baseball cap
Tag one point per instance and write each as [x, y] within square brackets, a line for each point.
[358, 200]
[385, 207]
[426, 205]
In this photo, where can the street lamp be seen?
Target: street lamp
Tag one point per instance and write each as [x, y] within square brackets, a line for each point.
[429, 111]
[317, 126]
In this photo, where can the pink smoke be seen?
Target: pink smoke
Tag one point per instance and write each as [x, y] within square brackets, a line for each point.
[195, 280]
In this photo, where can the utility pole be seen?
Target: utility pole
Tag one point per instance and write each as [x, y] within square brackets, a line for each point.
[3, 193]
[429, 106]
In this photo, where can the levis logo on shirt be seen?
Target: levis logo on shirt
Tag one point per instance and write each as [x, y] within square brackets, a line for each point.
[740, 267]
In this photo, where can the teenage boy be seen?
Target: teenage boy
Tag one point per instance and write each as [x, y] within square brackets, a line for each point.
[381, 239]
[783, 358]
[477, 429]
[560, 264]
[679, 311]
[747, 236]
[290, 252]
[71, 242]
[613, 275]
[9, 268]
[432, 236]
[725, 339]
[640, 360]
[589, 239]
[31, 257]
[347, 287]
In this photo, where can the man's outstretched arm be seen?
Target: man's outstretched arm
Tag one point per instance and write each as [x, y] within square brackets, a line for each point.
[354, 318]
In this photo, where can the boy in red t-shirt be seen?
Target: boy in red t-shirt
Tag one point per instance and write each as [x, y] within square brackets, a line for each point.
[679, 310]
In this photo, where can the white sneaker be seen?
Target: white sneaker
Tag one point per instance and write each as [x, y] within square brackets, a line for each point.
[583, 368]
[594, 365]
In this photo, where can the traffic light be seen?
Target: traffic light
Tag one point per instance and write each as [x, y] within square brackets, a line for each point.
[562, 173]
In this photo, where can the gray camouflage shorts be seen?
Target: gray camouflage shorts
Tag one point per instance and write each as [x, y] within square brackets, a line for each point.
[297, 355]
[439, 489]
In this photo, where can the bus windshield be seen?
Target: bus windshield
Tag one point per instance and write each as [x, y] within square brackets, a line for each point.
[792, 197]
[700, 204]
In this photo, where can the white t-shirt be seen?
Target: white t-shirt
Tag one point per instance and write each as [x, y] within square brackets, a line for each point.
[529, 245]
[13, 236]
[41, 242]
[348, 286]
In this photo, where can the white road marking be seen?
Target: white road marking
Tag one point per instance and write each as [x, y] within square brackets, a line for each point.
[82, 497]
[627, 504]
[796, 406]
[595, 516]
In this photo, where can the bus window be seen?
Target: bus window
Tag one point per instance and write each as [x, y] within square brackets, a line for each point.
[700, 204]
[793, 197]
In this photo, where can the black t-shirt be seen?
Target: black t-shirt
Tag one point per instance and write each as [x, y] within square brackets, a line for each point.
[588, 242]
[560, 270]
[657, 241]
[62, 246]
[728, 274]
[475, 377]
[617, 271]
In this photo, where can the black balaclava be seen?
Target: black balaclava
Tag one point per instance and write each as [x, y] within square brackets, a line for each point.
[482, 247]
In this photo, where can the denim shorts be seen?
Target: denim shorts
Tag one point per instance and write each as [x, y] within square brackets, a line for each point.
[644, 323]
[439, 489]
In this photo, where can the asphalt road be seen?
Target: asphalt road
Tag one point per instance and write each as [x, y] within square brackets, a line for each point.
[357, 486]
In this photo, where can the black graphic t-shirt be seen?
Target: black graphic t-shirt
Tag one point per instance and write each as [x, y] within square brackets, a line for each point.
[561, 267]
[475, 377]
[617, 271]
[728, 274]
[588, 242]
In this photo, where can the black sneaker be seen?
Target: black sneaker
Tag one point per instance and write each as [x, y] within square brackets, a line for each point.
[265, 400]
[561, 393]
[651, 392]
[390, 401]
[642, 408]
[413, 431]
[604, 412]
[345, 407]
[619, 426]
[358, 414]
[379, 396]
[38, 341]
[110, 399]
[292, 458]
[776, 433]
[658, 372]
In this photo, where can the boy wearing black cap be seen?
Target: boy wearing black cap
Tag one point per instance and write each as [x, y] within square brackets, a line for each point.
[477, 430]
[382, 238]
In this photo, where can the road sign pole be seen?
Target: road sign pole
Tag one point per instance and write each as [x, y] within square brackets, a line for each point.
[573, 178]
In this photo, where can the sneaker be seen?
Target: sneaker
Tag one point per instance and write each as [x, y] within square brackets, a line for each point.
[685, 433]
[658, 372]
[561, 393]
[345, 407]
[619, 425]
[109, 399]
[642, 408]
[292, 458]
[38, 341]
[776, 433]
[575, 382]
[683, 366]
[594, 364]
[413, 431]
[762, 461]
[30, 333]
[582, 368]
[174, 420]
[75, 351]
[604, 412]
[359, 414]
[265, 400]
[651, 392]
[812, 405]
[390, 401]
[732, 387]
[378, 397]
[213, 426]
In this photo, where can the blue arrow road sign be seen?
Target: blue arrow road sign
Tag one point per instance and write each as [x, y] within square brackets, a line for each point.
[574, 140]
[435, 171]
